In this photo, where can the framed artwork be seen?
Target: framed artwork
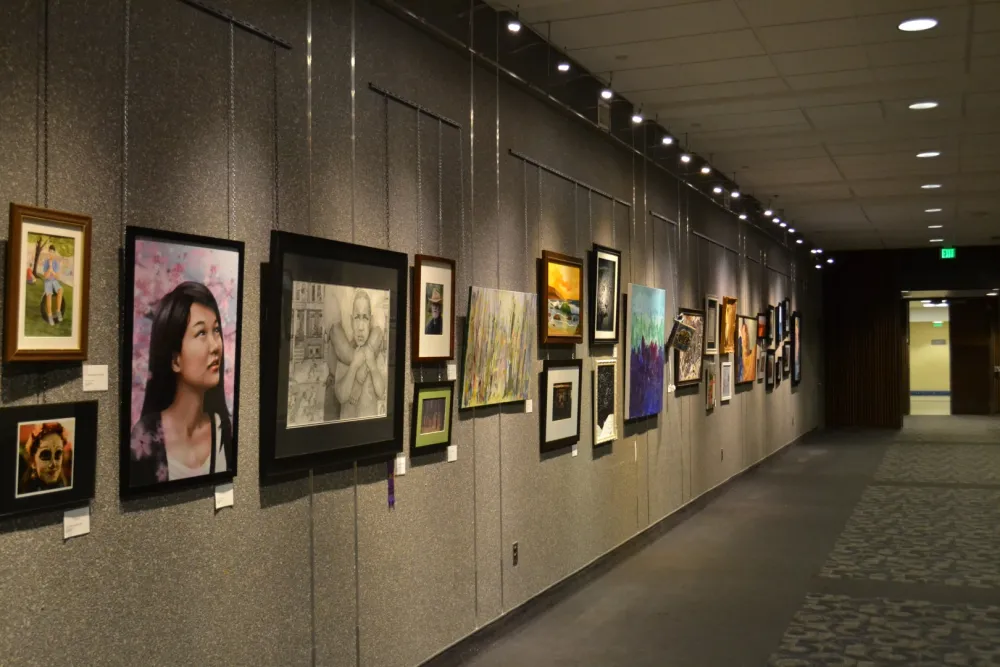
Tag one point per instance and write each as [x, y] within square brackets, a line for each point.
[772, 327]
[560, 294]
[432, 410]
[778, 355]
[796, 348]
[769, 383]
[782, 323]
[728, 322]
[48, 285]
[433, 309]
[746, 350]
[180, 360]
[726, 391]
[605, 288]
[332, 353]
[786, 357]
[712, 328]
[605, 400]
[50, 456]
[786, 318]
[762, 328]
[761, 363]
[560, 397]
[644, 370]
[710, 385]
[688, 365]
[499, 347]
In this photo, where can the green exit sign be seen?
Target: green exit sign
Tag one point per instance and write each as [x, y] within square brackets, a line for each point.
[939, 324]
[947, 253]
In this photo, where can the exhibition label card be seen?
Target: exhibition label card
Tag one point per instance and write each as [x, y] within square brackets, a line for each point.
[576, 450]
[76, 522]
[224, 496]
[452, 371]
[452, 453]
[400, 464]
[95, 377]
[527, 406]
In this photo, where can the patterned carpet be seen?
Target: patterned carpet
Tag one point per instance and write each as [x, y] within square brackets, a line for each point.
[928, 525]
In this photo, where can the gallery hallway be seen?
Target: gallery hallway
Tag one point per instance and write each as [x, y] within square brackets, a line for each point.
[861, 548]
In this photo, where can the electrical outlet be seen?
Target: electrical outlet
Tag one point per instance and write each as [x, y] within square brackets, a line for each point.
[515, 554]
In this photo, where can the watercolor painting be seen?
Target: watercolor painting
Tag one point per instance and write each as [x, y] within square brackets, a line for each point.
[688, 364]
[645, 368]
[500, 347]
[727, 335]
[746, 350]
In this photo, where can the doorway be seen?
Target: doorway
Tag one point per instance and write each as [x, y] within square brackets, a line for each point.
[930, 378]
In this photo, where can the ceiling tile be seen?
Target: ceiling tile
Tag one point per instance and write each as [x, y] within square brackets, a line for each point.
[834, 116]
[810, 36]
[742, 121]
[888, 54]
[555, 10]
[821, 60]
[648, 24]
[987, 17]
[953, 21]
[779, 12]
[677, 76]
[719, 90]
[986, 44]
[830, 79]
[673, 51]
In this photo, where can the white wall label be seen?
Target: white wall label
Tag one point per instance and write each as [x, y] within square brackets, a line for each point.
[95, 377]
[614, 352]
[76, 522]
[224, 496]
[452, 453]
[400, 464]
[527, 406]
[452, 371]
[576, 450]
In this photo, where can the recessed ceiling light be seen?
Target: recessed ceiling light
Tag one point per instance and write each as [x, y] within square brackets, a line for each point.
[819, 266]
[706, 170]
[929, 154]
[932, 210]
[607, 93]
[563, 66]
[743, 216]
[735, 194]
[776, 220]
[783, 225]
[937, 240]
[931, 186]
[514, 26]
[791, 230]
[921, 106]
[934, 226]
[799, 241]
[819, 251]
[637, 118]
[667, 140]
[992, 293]
[918, 25]
[829, 261]
[717, 190]
[768, 213]
[685, 158]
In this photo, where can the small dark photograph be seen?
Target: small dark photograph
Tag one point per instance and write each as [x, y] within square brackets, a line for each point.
[605, 295]
[433, 303]
[432, 417]
[562, 401]
[605, 393]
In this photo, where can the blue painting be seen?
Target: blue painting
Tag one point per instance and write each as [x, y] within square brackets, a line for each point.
[645, 368]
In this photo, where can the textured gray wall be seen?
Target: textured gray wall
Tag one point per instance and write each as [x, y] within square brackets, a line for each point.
[318, 570]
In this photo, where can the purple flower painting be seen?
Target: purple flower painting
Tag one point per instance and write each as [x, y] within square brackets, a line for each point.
[644, 371]
[160, 267]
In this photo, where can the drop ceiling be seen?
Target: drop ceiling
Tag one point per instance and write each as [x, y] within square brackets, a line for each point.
[806, 102]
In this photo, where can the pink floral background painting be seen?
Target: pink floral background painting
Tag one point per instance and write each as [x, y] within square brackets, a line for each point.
[159, 268]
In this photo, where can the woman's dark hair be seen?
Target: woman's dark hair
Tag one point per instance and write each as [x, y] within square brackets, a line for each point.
[170, 321]
[47, 429]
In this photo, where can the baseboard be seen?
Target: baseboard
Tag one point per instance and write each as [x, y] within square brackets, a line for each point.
[471, 644]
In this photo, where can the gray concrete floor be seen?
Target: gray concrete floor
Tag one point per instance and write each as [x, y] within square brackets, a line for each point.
[743, 581]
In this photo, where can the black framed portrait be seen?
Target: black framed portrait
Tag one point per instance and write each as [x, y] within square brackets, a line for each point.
[796, 348]
[560, 403]
[180, 360]
[50, 456]
[333, 353]
[771, 374]
[772, 327]
[605, 294]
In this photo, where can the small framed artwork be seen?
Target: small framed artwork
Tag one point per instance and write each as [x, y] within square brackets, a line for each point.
[786, 357]
[432, 410]
[762, 328]
[605, 400]
[778, 355]
[726, 383]
[48, 285]
[605, 289]
[560, 288]
[761, 364]
[560, 398]
[711, 382]
[787, 316]
[688, 364]
[499, 347]
[332, 353]
[746, 350]
[796, 348]
[772, 328]
[180, 360]
[728, 324]
[711, 325]
[433, 309]
[646, 335]
[50, 456]
[769, 383]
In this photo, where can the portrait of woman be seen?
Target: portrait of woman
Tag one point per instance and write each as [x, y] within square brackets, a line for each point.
[184, 333]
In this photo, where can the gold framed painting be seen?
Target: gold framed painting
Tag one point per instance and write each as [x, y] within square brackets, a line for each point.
[727, 335]
[48, 285]
[560, 298]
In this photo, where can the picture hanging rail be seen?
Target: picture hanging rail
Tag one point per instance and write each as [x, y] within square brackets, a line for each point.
[237, 22]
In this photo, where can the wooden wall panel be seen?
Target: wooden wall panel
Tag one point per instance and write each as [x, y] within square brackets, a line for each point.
[971, 356]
